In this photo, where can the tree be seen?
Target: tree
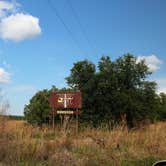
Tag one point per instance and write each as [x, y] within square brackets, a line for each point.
[134, 96]
[38, 108]
[117, 88]
[81, 73]
[82, 78]
[162, 112]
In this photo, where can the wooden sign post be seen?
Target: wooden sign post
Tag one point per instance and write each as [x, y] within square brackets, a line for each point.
[68, 103]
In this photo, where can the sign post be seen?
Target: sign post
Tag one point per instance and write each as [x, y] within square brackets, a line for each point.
[53, 117]
[77, 123]
[64, 104]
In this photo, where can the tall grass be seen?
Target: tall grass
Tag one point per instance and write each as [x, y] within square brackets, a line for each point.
[22, 144]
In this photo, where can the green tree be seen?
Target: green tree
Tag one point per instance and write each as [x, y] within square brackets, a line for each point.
[81, 73]
[162, 112]
[82, 78]
[38, 108]
[134, 96]
[117, 88]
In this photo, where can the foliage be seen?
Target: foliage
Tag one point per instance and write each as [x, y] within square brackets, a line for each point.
[16, 117]
[111, 92]
[117, 89]
[37, 111]
[162, 111]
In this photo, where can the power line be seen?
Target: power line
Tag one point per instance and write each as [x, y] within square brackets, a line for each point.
[52, 6]
[79, 22]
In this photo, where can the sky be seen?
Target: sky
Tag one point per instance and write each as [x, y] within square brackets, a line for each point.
[40, 41]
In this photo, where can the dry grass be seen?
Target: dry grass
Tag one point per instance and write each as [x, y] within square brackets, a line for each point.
[22, 144]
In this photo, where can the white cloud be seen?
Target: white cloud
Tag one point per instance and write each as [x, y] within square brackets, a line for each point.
[4, 76]
[161, 82]
[152, 61]
[16, 25]
[6, 7]
[161, 90]
[19, 26]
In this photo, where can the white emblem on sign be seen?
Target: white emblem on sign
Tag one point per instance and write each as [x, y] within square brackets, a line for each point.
[65, 100]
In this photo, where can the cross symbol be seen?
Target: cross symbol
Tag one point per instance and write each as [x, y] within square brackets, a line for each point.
[65, 100]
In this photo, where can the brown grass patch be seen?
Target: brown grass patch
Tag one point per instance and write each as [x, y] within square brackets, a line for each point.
[23, 143]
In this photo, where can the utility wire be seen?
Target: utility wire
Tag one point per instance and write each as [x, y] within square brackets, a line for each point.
[54, 9]
[79, 23]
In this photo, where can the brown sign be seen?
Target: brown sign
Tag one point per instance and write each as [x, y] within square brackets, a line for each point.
[66, 100]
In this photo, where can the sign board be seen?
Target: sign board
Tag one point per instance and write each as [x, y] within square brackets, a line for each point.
[66, 100]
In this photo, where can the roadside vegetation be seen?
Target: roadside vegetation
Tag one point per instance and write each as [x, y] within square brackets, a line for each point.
[24, 145]
[112, 91]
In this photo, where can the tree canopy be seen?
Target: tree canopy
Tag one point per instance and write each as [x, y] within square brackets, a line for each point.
[109, 91]
[37, 111]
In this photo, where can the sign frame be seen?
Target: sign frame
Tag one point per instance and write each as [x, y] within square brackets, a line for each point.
[66, 100]
[65, 103]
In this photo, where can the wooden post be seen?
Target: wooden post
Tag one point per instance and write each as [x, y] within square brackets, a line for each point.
[61, 117]
[53, 118]
[77, 122]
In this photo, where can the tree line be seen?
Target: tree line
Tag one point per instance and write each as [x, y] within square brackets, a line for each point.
[110, 90]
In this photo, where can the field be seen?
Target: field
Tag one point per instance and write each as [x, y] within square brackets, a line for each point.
[24, 145]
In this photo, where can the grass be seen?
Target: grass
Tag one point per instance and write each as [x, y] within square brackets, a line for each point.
[24, 145]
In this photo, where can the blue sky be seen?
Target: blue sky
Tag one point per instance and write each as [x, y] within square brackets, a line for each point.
[38, 51]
